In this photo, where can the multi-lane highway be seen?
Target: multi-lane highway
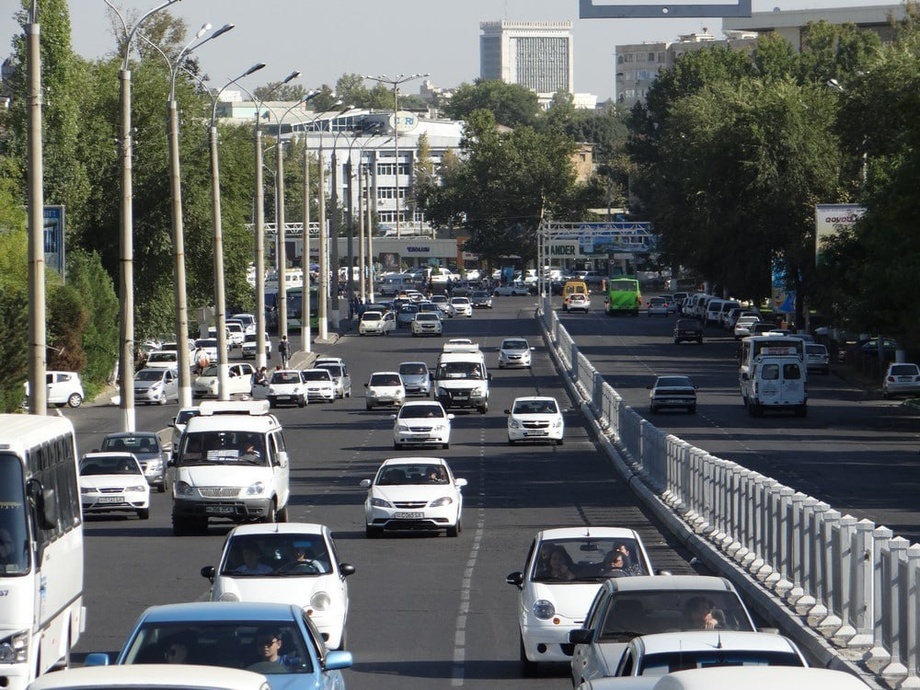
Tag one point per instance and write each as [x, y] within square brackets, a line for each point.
[436, 612]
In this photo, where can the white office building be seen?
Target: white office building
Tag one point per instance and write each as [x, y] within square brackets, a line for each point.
[537, 55]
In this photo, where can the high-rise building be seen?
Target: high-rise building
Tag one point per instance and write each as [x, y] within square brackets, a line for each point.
[537, 55]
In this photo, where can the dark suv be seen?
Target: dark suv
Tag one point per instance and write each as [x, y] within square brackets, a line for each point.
[688, 329]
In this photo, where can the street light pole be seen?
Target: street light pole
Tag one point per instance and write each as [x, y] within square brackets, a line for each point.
[223, 368]
[183, 359]
[126, 234]
[395, 83]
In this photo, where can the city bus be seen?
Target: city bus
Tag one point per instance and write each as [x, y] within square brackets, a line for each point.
[41, 547]
[295, 307]
[623, 296]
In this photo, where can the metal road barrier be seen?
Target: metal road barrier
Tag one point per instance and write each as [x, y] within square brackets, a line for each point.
[852, 584]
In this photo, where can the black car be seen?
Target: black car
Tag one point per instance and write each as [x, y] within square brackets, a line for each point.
[688, 329]
[480, 299]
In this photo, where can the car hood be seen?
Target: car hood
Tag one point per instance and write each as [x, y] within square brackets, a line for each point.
[404, 492]
[414, 378]
[572, 600]
[221, 475]
[535, 417]
[278, 589]
[99, 481]
[510, 351]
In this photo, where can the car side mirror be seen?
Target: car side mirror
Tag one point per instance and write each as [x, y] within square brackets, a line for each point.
[208, 572]
[365, 484]
[489, 376]
[282, 458]
[580, 636]
[451, 417]
[365, 385]
[346, 569]
[96, 659]
[649, 387]
[459, 482]
[507, 411]
[516, 578]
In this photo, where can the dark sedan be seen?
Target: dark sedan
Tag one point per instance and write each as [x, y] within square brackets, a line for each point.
[689, 330]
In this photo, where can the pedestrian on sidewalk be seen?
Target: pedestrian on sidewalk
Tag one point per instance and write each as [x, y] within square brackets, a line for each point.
[284, 351]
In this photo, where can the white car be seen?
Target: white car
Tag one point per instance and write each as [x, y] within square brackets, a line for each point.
[462, 306]
[515, 289]
[657, 306]
[319, 385]
[413, 494]
[63, 388]
[384, 388]
[113, 482]
[579, 302]
[421, 423]
[248, 351]
[902, 378]
[239, 381]
[743, 326]
[535, 418]
[514, 352]
[443, 303]
[178, 425]
[426, 323]
[158, 676]
[209, 345]
[376, 323]
[338, 370]
[248, 321]
[162, 359]
[416, 378]
[565, 568]
[291, 562]
[286, 387]
[156, 385]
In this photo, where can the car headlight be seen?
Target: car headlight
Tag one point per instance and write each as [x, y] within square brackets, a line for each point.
[380, 503]
[87, 490]
[228, 596]
[543, 609]
[514, 424]
[320, 601]
[441, 502]
[15, 649]
[138, 487]
[440, 427]
[184, 489]
[557, 424]
[156, 387]
[442, 391]
[476, 391]
[272, 391]
[255, 489]
[402, 427]
[154, 465]
[400, 391]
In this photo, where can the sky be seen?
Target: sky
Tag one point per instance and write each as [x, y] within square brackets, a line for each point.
[327, 39]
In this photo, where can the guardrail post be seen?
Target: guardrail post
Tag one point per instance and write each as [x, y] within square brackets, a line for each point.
[812, 571]
[911, 570]
[762, 486]
[800, 551]
[879, 656]
[859, 614]
[735, 519]
[824, 566]
[837, 578]
[894, 616]
[778, 580]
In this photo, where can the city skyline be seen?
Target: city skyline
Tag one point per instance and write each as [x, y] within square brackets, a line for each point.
[441, 39]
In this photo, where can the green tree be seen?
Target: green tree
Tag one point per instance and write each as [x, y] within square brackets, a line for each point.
[276, 91]
[511, 105]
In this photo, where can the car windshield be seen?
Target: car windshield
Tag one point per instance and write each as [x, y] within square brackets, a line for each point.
[162, 356]
[286, 377]
[371, 316]
[227, 644]
[333, 369]
[222, 448]
[398, 475]
[316, 375]
[148, 375]
[667, 662]
[673, 382]
[185, 415]
[413, 369]
[587, 559]
[644, 612]
[459, 370]
[111, 464]
[535, 407]
[904, 370]
[385, 380]
[420, 411]
[211, 371]
[426, 317]
[514, 345]
[276, 555]
[131, 444]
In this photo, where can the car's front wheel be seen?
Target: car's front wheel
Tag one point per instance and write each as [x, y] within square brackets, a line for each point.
[75, 400]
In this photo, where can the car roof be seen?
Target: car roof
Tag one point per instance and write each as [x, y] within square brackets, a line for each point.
[235, 422]
[220, 611]
[183, 676]
[528, 398]
[107, 454]
[420, 403]
[759, 678]
[587, 532]
[688, 583]
[413, 362]
[131, 434]
[375, 373]
[706, 640]
[279, 528]
[421, 460]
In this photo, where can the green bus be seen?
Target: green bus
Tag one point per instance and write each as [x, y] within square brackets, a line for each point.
[623, 296]
[295, 307]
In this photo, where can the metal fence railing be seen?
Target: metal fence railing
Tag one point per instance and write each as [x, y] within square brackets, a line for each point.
[854, 583]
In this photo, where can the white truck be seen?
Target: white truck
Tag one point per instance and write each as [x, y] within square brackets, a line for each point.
[460, 378]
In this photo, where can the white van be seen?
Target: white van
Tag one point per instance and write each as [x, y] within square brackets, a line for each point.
[775, 383]
[460, 380]
[232, 465]
[713, 310]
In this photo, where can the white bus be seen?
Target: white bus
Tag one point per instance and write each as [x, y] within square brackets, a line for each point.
[41, 547]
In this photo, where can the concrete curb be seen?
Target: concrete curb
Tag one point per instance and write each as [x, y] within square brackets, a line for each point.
[766, 604]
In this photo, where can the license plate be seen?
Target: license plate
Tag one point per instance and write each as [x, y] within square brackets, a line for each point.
[461, 397]
[219, 510]
[905, 379]
[536, 433]
[409, 516]
[111, 499]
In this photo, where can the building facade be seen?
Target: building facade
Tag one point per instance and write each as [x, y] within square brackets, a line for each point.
[537, 55]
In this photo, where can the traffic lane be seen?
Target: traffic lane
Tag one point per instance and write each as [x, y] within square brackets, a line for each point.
[853, 451]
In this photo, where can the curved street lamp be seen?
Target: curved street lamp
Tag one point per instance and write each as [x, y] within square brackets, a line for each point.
[183, 360]
[126, 234]
[395, 83]
[223, 369]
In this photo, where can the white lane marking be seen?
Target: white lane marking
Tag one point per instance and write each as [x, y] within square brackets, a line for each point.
[466, 585]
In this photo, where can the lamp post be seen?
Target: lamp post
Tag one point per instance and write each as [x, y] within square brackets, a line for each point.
[223, 368]
[183, 362]
[395, 82]
[126, 230]
[38, 392]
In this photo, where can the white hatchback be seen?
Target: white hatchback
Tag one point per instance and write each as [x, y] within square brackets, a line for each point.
[535, 418]
[422, 423]
[514, 352]
[319, 384]
[376, 323]
[63, 388]
[292, 562]
[462, 306]
[384, 388]
[413, 494]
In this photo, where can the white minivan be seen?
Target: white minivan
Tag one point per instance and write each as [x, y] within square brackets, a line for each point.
[775, 383]
[232, 465]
